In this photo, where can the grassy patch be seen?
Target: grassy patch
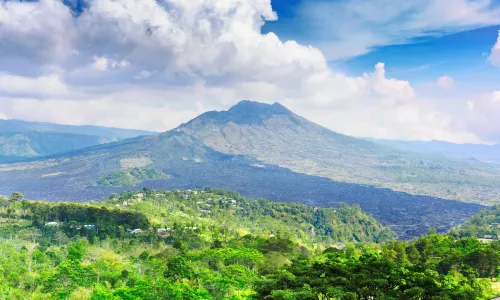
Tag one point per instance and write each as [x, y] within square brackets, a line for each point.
[129, 177]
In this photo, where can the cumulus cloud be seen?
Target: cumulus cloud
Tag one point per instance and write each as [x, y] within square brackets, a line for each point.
[104, 111]
[42, 87]
[154, 64]
[103, 63]
[445, 82]
[495, 53]
[41, 32]
[485, 110]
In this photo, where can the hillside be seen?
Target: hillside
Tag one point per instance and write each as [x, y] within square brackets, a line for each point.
[228, 212]
[16, 146]
[20, 140]
[215, 244]
[211, 207]
[485, 225]
[183, 161]
[275, 135]
[109, 133]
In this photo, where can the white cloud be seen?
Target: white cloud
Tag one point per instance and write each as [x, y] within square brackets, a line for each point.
[103, 63]
[100, 63]
[483, 119]
[350, 28]
[398, 89]
[143, 74]
[171, 60]
[495, 53]
[98, 111]
[43, 86]
[37, 31]
[445, 82]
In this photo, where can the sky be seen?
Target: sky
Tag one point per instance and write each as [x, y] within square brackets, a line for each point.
[414, 69]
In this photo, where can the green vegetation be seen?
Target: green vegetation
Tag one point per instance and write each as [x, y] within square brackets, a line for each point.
[215, 244]
[129, 177]
[485, 225]
[432, 267]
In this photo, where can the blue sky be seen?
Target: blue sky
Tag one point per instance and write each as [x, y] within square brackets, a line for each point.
[412, 69]
[461, 54]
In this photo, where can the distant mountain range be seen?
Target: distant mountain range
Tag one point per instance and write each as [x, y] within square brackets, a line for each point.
[486, 153]
[267, 151]
[21, 139]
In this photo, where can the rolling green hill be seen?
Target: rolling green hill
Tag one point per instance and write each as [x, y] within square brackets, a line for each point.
[215, 244]
[485, 225]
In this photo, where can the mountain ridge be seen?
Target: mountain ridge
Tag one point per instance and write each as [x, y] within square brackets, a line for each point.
[14, 125]
[22, 140]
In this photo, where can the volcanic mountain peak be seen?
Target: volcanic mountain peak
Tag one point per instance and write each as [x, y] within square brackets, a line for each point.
[252, 108]
[244, 112]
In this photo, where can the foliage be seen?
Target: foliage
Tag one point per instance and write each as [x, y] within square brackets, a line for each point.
[390, 272]
[241, 249]
[485, 224]
[129, 177]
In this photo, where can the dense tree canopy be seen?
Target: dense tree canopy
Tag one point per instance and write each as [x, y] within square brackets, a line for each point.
[215, 244]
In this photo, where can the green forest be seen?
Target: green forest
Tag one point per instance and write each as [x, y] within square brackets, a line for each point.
[216, 244]
[484, 225]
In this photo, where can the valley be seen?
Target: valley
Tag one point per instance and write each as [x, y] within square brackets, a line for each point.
[191, 164]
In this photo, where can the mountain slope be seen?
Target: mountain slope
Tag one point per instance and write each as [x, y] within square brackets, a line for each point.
[189, 163]
[275, 135]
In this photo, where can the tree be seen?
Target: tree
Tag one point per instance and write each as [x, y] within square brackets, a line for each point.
[16, 196]
[76, 251]
[180, 267]
[60, 238]
[179, 245]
